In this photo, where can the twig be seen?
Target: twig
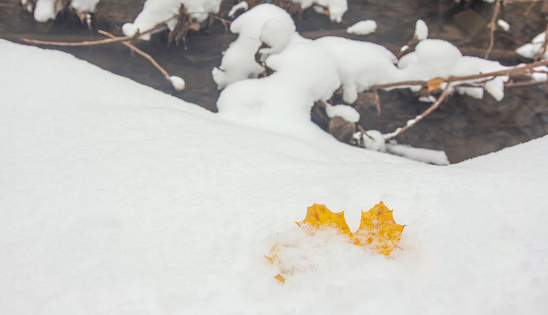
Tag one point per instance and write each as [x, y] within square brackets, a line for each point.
[493, 26]
[411, 123]
[529, 8]
[142, 53]
[84, 43]
[224, 21]
[412, 42]
[360, 128]
[377, 102]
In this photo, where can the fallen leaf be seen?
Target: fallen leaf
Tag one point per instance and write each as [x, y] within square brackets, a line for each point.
[319, 216]
[378, 230]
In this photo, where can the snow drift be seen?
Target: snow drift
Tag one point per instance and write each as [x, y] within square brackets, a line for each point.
[118, 199]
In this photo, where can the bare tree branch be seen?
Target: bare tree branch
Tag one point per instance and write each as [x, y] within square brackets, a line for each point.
[505, 72]
[412, 122]
[97, 42]
[142, 53]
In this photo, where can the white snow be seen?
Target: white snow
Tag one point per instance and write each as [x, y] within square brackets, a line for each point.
[363, 27]
[46, 10]
[178, 82]
[282, 101]
[435, 157]
[532, 49]
[118, 199]
[503, 25]
[359, 65]
[437, 58]
[243, 5]
[84, 5]
[164, 12]
[335, 8]
[346, 112]
[374, 140]
[421, 30]
[238, 61]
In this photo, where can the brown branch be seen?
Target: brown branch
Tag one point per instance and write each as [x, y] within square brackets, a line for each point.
[142, 53]
[505, 72]
[224, 21]
[396, 84]
[524, 84]
[84, 43]
[412, 42]
[492, 26]
[97, 42]
[360, 128]
[411, 123]
[377, 102]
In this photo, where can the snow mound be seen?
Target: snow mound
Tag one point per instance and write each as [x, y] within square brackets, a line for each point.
[130, 201]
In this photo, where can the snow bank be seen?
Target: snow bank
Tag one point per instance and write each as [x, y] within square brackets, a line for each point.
[130, 201]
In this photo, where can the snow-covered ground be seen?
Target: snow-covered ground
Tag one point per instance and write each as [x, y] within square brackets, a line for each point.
[118, 199]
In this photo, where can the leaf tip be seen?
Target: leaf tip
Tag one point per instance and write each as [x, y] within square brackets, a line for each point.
[280, 278]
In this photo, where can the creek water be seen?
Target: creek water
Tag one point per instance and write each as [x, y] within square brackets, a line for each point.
[463, 127]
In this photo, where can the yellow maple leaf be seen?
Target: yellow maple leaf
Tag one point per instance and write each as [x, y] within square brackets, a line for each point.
[319, 216]
[378, 230]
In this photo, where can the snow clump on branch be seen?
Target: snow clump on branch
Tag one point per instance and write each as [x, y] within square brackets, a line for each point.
[164, 11]
[363, 28]
[264, 22]
[435, 58]
[305, 71]
[45, 10]
[534, 48]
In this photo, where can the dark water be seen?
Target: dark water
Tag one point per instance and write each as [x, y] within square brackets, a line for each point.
[462, 126]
